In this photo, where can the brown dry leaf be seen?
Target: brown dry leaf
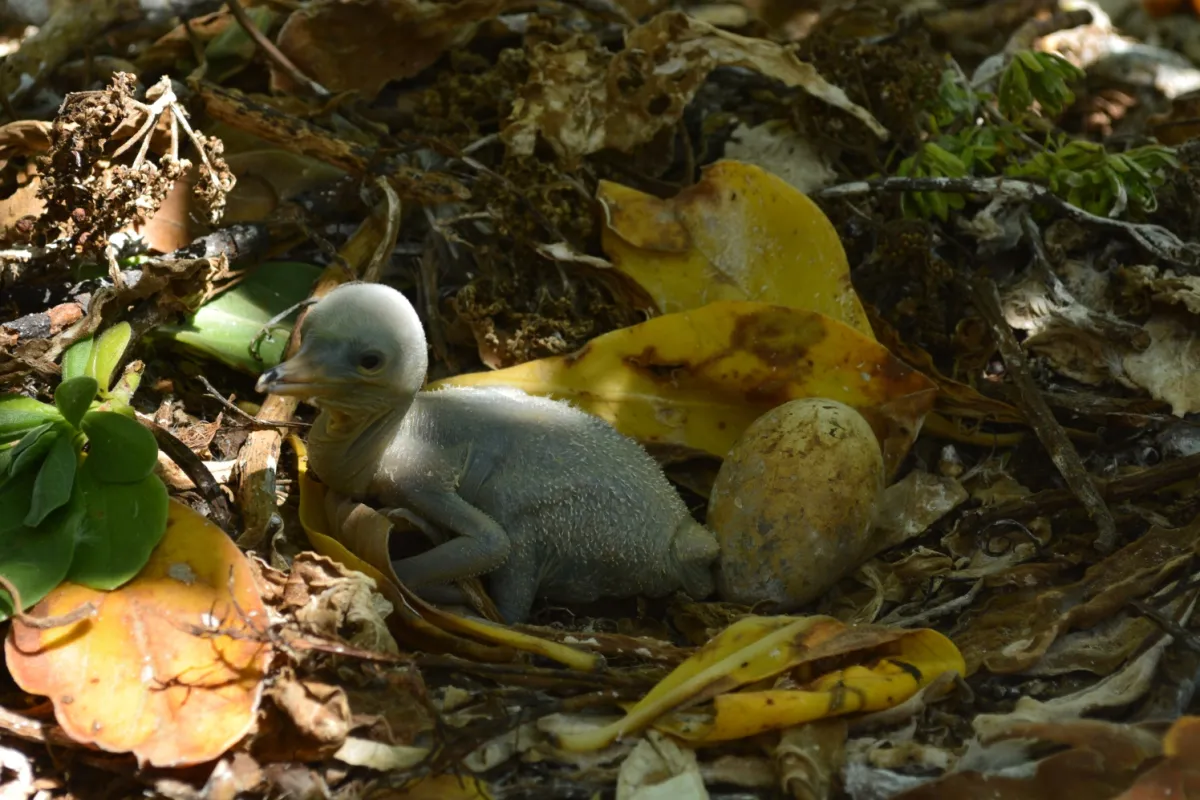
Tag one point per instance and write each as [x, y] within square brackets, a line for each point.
[740, 233]
[23, 137]
[310, 721]
[173, 225]
[149, 673]
[337, 603]
[1178, 776]
[1013, 631]
[581, 99]
[360, 45]
[1102, 759]
[176, 45]
[267, 177]
[697, 379]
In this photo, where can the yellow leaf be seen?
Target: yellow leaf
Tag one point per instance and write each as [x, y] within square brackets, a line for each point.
[741, 233]
[415, 620]
[922, 656]
[171, 665]
[698, 378]
[757, 648]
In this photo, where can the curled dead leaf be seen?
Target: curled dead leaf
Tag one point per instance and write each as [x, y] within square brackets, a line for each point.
[580, 100]
[360, 46]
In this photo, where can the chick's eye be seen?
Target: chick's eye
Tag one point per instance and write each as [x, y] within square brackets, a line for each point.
[370, 361]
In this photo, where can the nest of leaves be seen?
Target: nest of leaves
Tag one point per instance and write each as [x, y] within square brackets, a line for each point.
[991, 204]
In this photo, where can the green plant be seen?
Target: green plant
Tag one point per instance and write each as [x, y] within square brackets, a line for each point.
[79, 499]
[973, 133]
[1033, 78]
[1088, 176]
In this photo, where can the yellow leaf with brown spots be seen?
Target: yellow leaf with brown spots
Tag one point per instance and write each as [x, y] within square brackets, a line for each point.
[170, 666]
[741, 233]
[698, 378]
[885, 667]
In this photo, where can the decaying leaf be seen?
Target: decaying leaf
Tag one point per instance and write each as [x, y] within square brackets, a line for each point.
[1169, 368]
[740, 233]
[361, 45]
[581, 99]
[1013, 631]
[658, 768]
[414, 620]
[1177, 777]
[1100, 759]
[779, 148]
[697, 379]
[170, 667]
[890, 666]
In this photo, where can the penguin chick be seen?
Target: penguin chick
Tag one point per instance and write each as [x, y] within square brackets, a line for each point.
[542, 498]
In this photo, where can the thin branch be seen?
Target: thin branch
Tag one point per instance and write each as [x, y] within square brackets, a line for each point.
[274, 53]
[1155, 239]
[1037, 410]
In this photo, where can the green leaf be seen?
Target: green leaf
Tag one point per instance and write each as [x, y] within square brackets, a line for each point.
[34, 560]
[107, 353]
[52, 488]
[74, 396]
[119, 448]
[32, 447]
[122, 525]
[20, 414]
[75, 359]
[225, 328]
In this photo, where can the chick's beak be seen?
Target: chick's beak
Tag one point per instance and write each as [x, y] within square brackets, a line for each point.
[297, 376]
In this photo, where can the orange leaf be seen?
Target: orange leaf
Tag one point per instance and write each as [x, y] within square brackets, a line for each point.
[141, 675]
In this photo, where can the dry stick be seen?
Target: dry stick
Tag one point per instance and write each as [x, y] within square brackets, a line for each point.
[274, 53]
[1126, 487]
[258, 460]
[1051, 434]
[250, 421]
[390, 208]
[194, 468]
[88, 609]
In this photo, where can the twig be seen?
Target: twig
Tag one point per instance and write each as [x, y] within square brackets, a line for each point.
[1126, 487]
[390, 209]
[194, 468]
[88, 609]
[1041, 418]
[264, 333]
[250, 421]
[942, 609]
[274, 53]
[1155, 239]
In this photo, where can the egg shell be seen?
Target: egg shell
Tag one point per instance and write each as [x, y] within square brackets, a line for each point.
[793, 503]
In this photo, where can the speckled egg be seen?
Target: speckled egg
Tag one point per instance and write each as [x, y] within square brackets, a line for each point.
[793, 503]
